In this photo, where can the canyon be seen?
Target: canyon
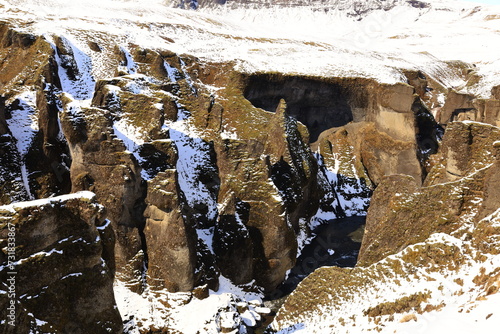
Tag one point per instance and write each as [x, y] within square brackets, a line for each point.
[159, 162]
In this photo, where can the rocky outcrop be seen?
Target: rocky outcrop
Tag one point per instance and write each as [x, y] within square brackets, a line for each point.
[263, 186]
[170, 240]
[48, 158]
[440, 234]
[324, 103]
[4, 129]
[463, 106]
[318, 104]
[382, 296]
[101, 164]
[69, 245]
[32, 65]
[29, 66]
[321, 104]
[270, 173]
[455, 189]
[208, 175]
[232, 242]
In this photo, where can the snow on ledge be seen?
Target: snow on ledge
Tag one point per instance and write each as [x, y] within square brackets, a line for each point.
[84, 195]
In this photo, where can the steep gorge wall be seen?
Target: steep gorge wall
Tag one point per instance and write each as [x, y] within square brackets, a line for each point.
[393, 112]
[443, 235]
[131, 148]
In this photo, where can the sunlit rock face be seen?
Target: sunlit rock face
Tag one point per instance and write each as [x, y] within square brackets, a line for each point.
[423, 247]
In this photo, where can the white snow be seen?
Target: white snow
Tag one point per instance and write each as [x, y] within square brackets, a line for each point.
[172, 73]
[303, 238]
[291, 40]
[207, 236]
[107, 223]
[193, 157]
[82, 87]
[24, 121]
[298, 40]
[72, 275]
[250, 318]
[130, 65]
[227, 134]
[465, 308]
[86, 195]
[132, 138]
[37, 256]
[186, 314]
[24, 125]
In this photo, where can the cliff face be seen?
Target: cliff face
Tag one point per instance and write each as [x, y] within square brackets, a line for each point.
[60, 266]
[190, 190]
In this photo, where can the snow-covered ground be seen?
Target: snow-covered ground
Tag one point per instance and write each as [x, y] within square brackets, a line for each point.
[229, 307]
[294, 40]
[459, 298]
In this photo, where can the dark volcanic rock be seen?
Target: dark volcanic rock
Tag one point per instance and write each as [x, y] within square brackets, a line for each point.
[48, 158]
[63, 261]
[232, 243]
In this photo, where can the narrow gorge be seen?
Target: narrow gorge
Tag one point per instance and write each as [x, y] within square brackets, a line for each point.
[143, 184]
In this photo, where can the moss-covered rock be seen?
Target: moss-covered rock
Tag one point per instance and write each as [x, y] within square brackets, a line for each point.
[402, 213]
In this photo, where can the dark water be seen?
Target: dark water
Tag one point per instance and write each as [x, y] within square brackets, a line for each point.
[336, 244]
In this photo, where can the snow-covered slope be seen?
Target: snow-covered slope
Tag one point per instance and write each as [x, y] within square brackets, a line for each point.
[452, 300]
[301, 40]
[443, 285]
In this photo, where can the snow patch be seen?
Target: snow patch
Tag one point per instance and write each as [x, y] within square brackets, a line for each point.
[23, 125]
[219, 309]
[82, 86]
[84, 195]
[193, 158]
[130, 66]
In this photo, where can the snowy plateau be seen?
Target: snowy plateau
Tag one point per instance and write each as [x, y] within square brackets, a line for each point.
[174, 166]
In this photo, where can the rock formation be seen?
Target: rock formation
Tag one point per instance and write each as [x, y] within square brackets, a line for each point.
[443, 227]
[62, 266]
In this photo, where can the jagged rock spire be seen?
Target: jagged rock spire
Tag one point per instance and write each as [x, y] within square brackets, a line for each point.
[281, 109]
